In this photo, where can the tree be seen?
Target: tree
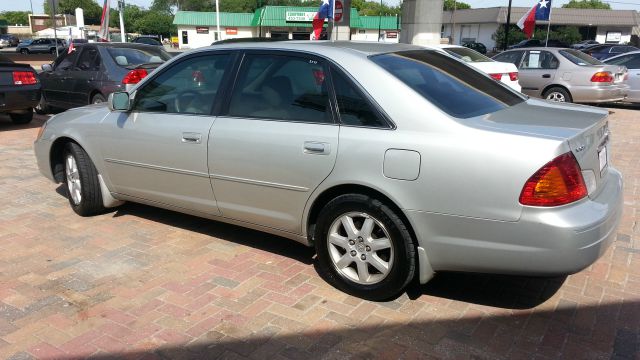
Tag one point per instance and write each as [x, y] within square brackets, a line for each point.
[587, 4]
[92, 11]
[15, 17]
[156, 23]
[449, 5]
[373, 8]
[566, 34]
[131, 14]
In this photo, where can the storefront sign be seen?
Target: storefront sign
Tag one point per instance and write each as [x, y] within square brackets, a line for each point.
[306, 16]
[613, 36]
[232, 31]
[202, 30]
[392, 34]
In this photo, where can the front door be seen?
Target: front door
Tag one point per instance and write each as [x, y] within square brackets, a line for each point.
[57, 84]
[276, 143]
[537, 70]
[85, 76]
[158, 151]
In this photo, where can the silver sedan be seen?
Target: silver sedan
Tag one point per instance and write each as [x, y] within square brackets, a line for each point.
[567, 75]
[394, 161]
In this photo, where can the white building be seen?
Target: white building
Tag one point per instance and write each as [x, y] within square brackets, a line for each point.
[604, 26]
[198, 29]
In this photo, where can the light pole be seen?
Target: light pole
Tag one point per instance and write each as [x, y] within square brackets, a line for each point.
[122, 33]
[380, 22]
[506, 28]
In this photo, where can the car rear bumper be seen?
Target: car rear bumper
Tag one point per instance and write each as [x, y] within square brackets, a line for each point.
[19, 98]
[599, 94]
[545, 241]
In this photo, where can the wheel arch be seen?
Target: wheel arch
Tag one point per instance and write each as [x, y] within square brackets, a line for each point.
[548, 87]
[56, 160]
[93, 93]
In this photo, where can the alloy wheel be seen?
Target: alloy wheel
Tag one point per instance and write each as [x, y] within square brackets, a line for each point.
[73, 179]
[556, 96]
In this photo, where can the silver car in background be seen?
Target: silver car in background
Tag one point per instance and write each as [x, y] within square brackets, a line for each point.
[631, 61]
[567, 75]
[394, 161]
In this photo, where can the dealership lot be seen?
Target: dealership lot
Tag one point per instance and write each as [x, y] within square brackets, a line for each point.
[157, 284]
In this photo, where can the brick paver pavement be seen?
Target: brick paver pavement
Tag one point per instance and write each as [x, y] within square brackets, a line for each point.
[146, 283]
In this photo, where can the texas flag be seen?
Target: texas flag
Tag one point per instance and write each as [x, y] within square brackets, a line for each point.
[540, 11]
[324, 12]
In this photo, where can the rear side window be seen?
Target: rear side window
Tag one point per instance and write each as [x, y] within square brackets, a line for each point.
[455, 88]
[353, 107]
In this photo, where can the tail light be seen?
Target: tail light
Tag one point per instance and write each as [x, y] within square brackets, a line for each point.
[559, 182]
[497, 77]
[513, 76]
[602, 77]
[24, 78]
[135, 76]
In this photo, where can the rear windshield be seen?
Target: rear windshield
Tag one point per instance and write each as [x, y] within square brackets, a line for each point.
[579, 58]
[127, 57]
[452, 86]
[467, 55]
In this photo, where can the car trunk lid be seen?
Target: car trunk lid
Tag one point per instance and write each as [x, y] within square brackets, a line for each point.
[7, 69]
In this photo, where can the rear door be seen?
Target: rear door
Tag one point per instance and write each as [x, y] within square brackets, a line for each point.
[276, 142]
[538, 69]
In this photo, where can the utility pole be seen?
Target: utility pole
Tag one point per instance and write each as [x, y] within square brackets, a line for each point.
[55, 27]
[507, 26]
[122, 33]
[453, 22]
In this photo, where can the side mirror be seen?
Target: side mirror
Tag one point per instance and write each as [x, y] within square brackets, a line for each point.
[47, 67]
[119, 101]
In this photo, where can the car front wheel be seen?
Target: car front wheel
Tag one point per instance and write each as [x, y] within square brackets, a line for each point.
[81, 180]
[364, 248]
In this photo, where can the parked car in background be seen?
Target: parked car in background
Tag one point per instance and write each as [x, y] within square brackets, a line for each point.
[479, 47]
[602, 52]
[148, 40]
[500, 71]
[11, 40]
[584, 43]
[4, 44]
[93, 71]
[567, 75]
[25, 42]
[42, 46]
[631, 61]
[19, 90]
[393, 160]
[538, 43]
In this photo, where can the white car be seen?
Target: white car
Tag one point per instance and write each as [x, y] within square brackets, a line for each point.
[501, 71]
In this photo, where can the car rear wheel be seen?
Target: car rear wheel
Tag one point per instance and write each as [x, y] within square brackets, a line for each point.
[364, 248]
[42, 108]
[558, 94]
[24, 51]
[52, 51]
[97, 99]
[24, 118]
[81, 180]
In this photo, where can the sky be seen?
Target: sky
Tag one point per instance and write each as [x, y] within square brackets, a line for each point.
[24, 5]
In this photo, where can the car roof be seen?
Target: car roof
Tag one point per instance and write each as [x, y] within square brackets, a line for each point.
[364, 48]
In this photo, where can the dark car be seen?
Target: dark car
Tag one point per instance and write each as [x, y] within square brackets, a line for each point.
[479, 47]
[19, 90]
[538, 43]
[605, 51]
[43, 46]
[11, 40]
[147, 40]
[93, 71]
[583, 44]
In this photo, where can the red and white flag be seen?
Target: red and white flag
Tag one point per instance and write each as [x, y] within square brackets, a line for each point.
[528, 22]
[103, 34]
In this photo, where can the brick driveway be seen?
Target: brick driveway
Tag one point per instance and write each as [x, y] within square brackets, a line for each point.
[147, 283]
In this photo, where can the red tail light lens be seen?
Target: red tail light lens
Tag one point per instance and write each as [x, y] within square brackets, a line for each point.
[559, 182]
[24, 78]
[135, 76]
[602, 77]
[513, 76]
[497, 77]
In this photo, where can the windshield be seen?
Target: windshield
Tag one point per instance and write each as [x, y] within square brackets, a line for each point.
[467, 55]
[452, 86]
[135, 56]
[579, 58]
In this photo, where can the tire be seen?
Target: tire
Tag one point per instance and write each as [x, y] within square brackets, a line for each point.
[557, 94]
[24, 51]
[22, 118]
[81, 180]
[52, 51]
[42, 108]
[343, 259]
[98, 98]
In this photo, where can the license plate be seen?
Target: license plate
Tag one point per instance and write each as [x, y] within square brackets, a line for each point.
[602, 157]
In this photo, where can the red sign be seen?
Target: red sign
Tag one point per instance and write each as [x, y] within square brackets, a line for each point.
[337, 15]
[202, 30]
[232, 31]
[392, 34]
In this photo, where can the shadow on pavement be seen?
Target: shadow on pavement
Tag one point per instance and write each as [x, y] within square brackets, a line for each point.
[569, 331]
[7, 125]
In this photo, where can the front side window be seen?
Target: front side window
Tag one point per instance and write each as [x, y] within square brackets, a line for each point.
[65, 61]
[282, 88]
[451, 85]
[353, 107]
[513, 57]
[536, 59]
[188, 87]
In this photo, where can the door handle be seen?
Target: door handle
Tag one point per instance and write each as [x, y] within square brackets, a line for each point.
[313, 147]
[191, 138]
[546, 76]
